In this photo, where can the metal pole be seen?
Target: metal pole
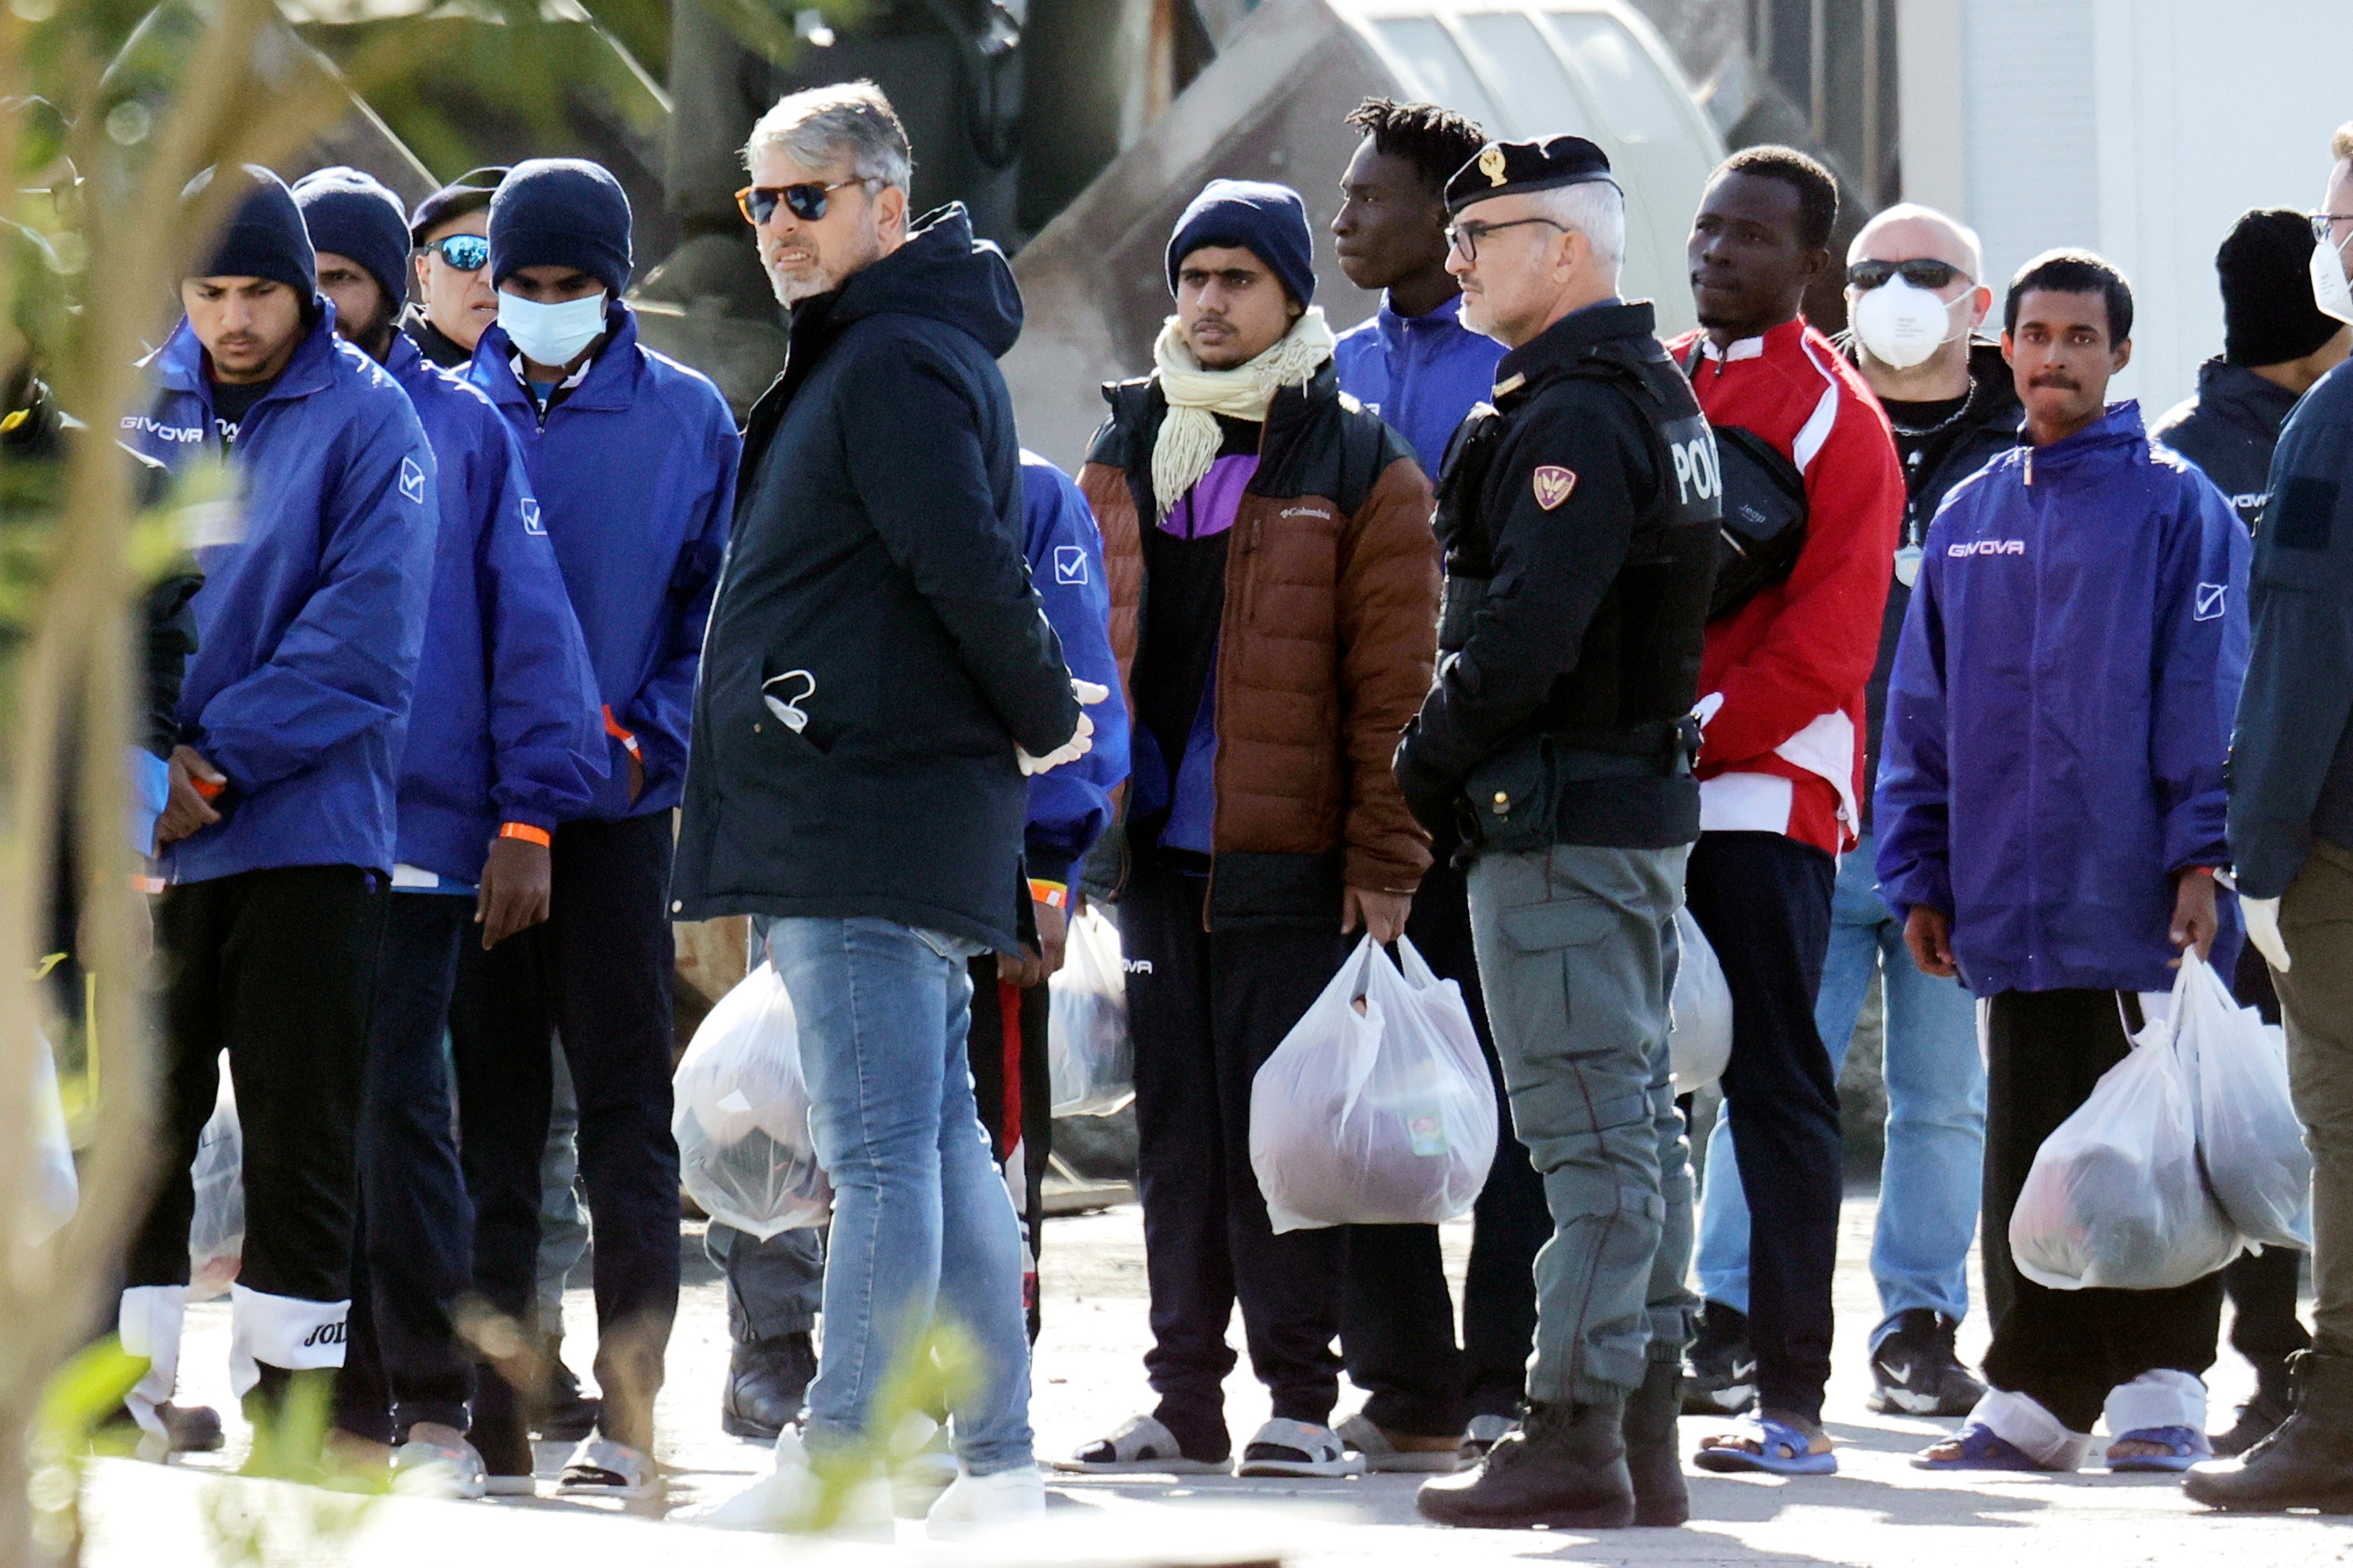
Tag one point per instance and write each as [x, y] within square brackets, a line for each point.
[1818, 70]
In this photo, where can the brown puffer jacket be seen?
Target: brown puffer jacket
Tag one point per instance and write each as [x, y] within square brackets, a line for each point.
[1325, 645]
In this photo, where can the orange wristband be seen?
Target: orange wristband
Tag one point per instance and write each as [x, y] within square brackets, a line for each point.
[208, 788]
[613, 727]
[527, 833]
[1053, 895]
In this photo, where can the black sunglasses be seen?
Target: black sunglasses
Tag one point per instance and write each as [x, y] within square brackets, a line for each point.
[1920, 273]
[466, 252]
[759, 203]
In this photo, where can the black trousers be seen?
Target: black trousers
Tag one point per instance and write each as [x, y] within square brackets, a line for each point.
[2065, 1348]
[1012, 1083]
[596, 975]
[1396, 1320]
[412, 1255]
[1206, 1008]
[277, 967]
[1764, 902]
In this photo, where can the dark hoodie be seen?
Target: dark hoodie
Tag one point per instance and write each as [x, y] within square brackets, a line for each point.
[1935, 459]
[875, 585]
[2228, 427]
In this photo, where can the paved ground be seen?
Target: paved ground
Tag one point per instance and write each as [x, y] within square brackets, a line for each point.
[1876, 1512]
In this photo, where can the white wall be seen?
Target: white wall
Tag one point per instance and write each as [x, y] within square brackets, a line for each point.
[2140, 129]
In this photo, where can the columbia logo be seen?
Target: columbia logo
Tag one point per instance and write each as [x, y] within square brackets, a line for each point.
[1988, 547]
[1307, 511]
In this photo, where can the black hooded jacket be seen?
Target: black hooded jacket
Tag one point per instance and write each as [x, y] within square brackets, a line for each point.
[875, 588]
[2228, 427]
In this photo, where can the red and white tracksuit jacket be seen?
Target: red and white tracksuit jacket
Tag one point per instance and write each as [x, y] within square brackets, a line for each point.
[1781, 681]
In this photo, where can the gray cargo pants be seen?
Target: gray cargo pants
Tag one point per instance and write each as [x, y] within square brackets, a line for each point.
[1577, 950]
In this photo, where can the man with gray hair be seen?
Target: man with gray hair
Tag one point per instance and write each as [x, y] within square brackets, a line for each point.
[878, 681]
[1553, 758]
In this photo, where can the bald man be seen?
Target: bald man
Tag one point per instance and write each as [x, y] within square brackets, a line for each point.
[1915, 299]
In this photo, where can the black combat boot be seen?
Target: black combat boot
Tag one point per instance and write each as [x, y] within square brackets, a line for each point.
[1654, 1459]
[766, 1381]
[2307, 1463]
[1564, 1466]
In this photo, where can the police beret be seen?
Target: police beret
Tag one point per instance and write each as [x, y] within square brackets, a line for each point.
[1518, 168]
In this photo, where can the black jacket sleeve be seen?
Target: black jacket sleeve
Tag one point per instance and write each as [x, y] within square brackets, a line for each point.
[2291, 744]
[1553, 567]
[913, 430]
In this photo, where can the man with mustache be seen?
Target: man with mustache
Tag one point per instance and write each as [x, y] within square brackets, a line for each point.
[2049, 808]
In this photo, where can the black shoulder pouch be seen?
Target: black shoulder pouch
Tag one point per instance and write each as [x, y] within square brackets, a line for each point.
[1764, 513]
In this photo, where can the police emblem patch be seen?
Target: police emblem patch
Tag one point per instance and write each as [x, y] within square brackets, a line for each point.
[1490, 164]
[1553, 484]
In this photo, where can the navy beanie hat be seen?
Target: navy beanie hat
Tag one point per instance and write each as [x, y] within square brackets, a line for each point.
[349, 214]
[2268, 316]
[561, 212]
[1268, 220]
[265, 238]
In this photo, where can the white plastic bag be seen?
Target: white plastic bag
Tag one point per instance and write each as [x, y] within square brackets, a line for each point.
[2116, 1198]
[1377, 1108]
[217, 1230]
[2248, 1135]
[744, 1154]
[1700, 1044]
[1089, 1054]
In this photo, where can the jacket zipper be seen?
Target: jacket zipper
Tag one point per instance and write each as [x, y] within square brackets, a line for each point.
[1217, 672]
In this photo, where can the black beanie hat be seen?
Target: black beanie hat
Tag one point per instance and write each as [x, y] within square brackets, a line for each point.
[470, 192]
[2268, 316]
[1266, 219]
[561, 212]
[349, 214]
[265, 238]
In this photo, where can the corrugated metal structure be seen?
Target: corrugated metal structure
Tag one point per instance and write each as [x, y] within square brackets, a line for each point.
[1272, 105]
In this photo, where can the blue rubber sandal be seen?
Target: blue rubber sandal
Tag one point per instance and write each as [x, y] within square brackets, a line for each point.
[1982, 1449]
[2188, 1445]
[1782, 1450]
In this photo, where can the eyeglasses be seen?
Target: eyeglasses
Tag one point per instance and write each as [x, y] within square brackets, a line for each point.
[759, 203]
[465, 252]
[1920, 273]
[1465, 236]
[2321, 223]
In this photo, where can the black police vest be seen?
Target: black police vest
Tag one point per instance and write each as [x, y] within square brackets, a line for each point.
[1622, 714]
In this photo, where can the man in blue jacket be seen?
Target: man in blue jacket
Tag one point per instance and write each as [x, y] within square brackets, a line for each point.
[278, 840]
[1420, 369]
[631, 457]
[775, 1288]
[503, 744]
[2050, 812]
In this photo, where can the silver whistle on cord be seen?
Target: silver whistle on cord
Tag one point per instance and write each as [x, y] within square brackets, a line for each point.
[788, 710]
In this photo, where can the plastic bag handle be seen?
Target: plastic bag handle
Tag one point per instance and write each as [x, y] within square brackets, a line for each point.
[1416, 969]
[1367, 961]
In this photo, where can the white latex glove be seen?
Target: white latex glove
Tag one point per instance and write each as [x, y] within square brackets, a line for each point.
[2262, 916]
[1081, 741]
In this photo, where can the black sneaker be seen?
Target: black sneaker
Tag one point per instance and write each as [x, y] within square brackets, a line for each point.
[1916, 1371]
[1720, 1378]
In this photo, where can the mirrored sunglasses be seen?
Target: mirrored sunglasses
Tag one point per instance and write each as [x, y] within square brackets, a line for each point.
[466, 252]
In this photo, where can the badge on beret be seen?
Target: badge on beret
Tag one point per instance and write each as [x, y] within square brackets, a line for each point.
[1553, 485]
[1490, 164]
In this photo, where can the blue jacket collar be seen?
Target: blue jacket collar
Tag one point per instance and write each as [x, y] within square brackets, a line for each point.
[2114, 436]
[1394, 325]
[612, 380]
[179, 364]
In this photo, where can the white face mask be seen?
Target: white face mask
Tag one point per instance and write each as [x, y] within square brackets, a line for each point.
[552, 335]
[2330, 290]
[1902, 324]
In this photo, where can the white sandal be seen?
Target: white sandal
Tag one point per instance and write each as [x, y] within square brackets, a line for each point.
[602, 1468]
[1287, 1447]
[1141, 1447]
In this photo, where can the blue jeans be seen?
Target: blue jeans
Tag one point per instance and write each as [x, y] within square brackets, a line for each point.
[1930, 1179]
[921, 1222]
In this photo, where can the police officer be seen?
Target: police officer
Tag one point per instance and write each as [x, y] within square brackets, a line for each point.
[1578, 515]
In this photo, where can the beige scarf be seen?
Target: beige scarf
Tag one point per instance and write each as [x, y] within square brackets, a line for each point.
[1188, 439]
